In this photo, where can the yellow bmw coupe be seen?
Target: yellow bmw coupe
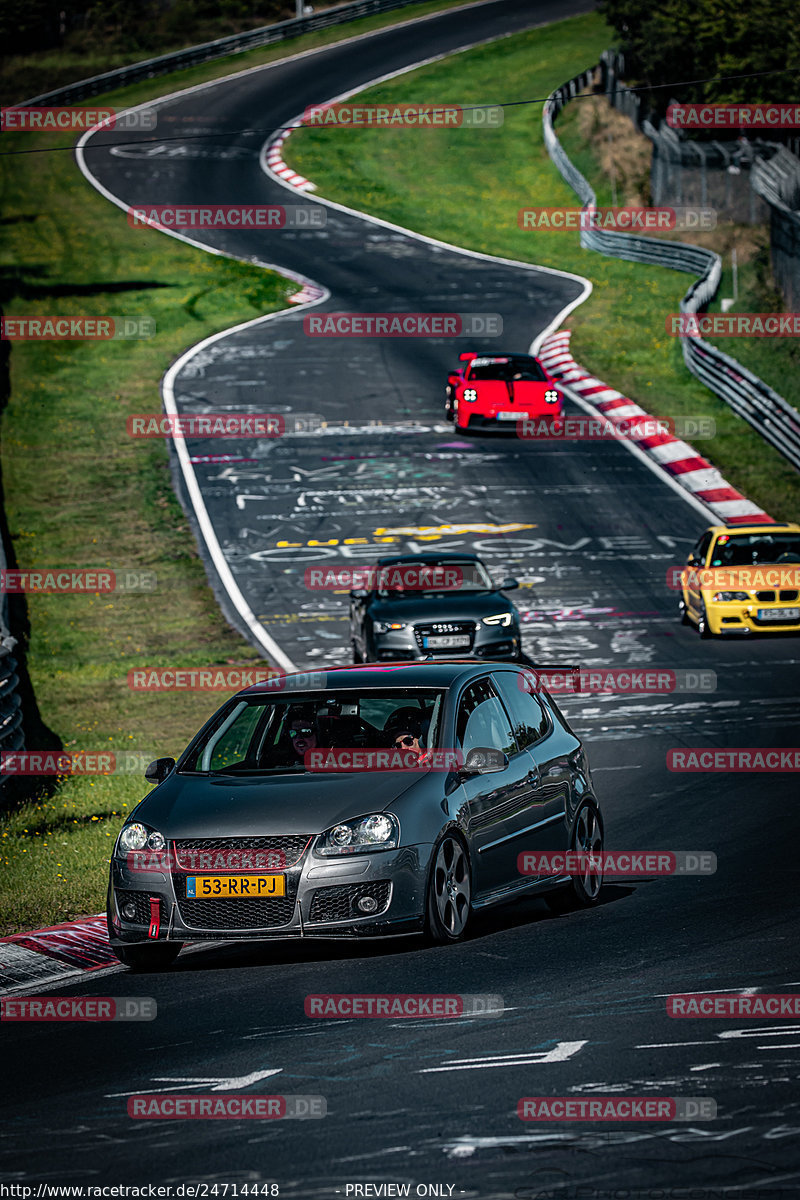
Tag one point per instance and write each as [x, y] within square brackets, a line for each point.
[743, 579]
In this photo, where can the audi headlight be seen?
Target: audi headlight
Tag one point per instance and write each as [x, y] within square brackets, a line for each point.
[730, 596]
[136, 836]
[504, 618]
[470, 395]
[380, 831]
[387, 626]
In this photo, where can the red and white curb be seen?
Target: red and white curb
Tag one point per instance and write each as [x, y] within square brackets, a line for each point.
[307, 293]
[274, 160]
[676, 458]
[275, 163]
[55, 954]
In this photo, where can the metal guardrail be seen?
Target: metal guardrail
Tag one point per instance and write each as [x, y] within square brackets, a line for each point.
[220, 48]
[748, 396]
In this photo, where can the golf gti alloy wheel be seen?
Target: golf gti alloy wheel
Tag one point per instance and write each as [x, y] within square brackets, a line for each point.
[449, 892]
[584, 889]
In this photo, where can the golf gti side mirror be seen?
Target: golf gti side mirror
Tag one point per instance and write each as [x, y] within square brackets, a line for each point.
[483, 760]
[509, 584]
[158, 771]
[693, 560]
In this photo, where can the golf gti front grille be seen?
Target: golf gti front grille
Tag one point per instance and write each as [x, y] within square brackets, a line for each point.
[341, 903]
[264, 853]
[445, 629]
[230, 915]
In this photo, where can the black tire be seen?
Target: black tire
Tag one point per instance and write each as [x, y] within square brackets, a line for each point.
[448, 898]
[587, 826]
[357, 656]
[149, 958]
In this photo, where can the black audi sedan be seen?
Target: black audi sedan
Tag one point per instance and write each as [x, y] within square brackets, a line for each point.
[381, 800]
[466, 614]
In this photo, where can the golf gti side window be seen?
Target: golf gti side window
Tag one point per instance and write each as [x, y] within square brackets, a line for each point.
[529, 719]
[482, 720]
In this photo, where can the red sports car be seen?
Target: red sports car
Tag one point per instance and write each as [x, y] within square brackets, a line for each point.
[487, 390]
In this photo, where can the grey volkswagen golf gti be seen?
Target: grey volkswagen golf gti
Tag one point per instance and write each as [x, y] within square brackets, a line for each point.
[365, 801]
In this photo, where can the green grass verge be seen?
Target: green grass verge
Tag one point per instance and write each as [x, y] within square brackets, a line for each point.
[79, 492]
[466, 187]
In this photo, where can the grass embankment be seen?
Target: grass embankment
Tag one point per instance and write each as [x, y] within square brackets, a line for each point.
[24, 76]
[467, 187]
[79, 492]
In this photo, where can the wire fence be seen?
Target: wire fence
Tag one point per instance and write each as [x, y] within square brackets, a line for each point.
[11, 732]
[778, 182]
[716, 174]
[769, 413]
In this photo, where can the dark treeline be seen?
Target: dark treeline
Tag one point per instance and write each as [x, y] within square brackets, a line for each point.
[674, 40]
[140, 27]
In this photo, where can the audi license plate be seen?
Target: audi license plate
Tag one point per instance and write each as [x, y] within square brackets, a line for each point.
[202, 887]
[451, 642]
[778, 614]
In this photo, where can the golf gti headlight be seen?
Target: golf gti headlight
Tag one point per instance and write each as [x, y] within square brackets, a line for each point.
[504, 618]
[136, 836]
[730, 596]
[470, 395]
[387, 626]
[381, 831]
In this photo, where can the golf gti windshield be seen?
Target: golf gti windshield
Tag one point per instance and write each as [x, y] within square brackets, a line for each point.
[258, 735]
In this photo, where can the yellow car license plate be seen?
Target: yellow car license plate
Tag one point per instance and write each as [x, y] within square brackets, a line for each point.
[210, 887]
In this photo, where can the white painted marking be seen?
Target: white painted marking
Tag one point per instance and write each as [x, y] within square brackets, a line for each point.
[756, 1031]
[559, 1053]
[669, 1045]
[736, 991]
[230, 1084]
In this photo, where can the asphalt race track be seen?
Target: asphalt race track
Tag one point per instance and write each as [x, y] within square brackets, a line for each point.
[591, 532]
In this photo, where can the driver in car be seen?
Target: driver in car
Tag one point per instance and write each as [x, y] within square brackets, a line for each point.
[302, 734]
